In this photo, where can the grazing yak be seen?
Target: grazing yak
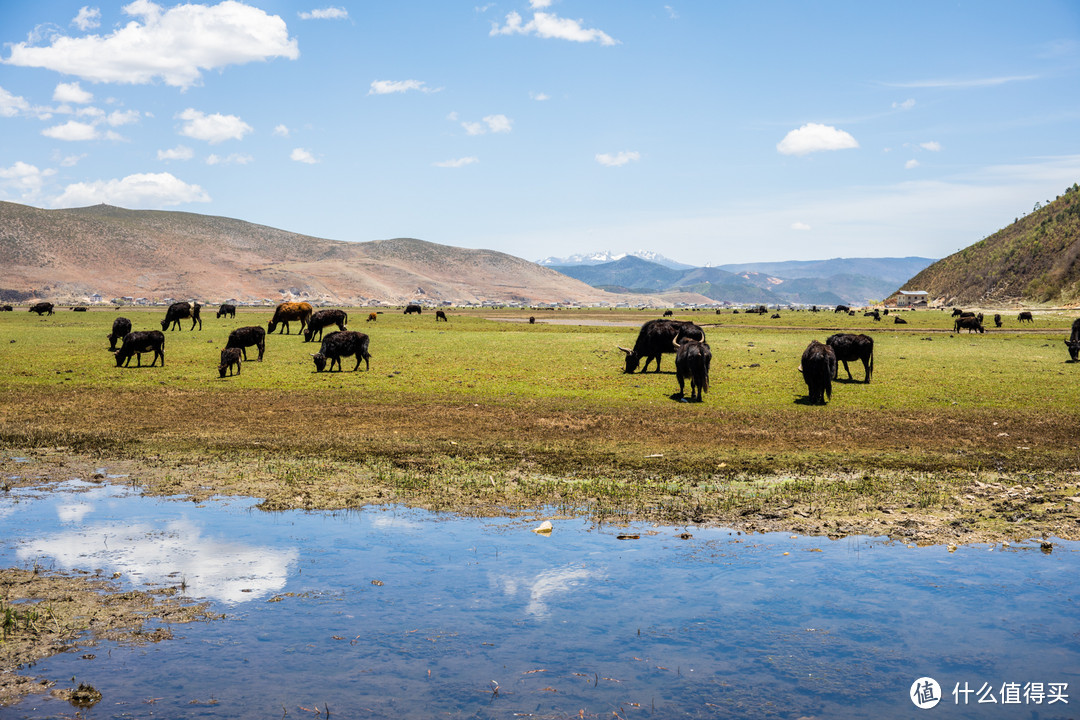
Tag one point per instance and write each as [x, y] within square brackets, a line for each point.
[849, 347]
[6, 308]
[1025, 316]
[997, 319]
[413, 308]
[969, 322]
[668, 313]
[139, 342]
[818, 369]
[121, 326]
[244, 337]
[230, 356]
[692, 359]
[655, 338]
[1073, 343]
[440, 315]
[342, 343]
[227, 309]
[180, 310]
[372, 317]
[842, 308]
[42, 308]
[324, 319]
[286, 312]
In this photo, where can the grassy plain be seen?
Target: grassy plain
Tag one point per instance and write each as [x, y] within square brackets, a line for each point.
[957, 438]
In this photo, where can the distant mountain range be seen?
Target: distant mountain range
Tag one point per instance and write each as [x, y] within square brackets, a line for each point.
[606, 256]
[838, 281]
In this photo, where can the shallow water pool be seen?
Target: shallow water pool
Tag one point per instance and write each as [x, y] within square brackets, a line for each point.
[391, 612]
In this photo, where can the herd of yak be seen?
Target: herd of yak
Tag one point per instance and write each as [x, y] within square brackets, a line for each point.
[657, 337]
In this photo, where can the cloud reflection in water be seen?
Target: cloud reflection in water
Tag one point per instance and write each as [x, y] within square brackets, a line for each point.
[212, 568]
[545, 586]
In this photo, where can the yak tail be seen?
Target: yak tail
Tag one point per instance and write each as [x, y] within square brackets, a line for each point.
[870, 367]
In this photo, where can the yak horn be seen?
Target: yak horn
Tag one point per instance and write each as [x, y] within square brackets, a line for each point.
[624, 349]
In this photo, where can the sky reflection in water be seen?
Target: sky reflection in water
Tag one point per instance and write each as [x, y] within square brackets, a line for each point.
[392, 612]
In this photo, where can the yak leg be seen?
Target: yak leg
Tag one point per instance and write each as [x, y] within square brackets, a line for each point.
[847, 370]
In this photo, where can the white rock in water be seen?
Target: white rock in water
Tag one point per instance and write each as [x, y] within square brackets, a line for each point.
[545, 527]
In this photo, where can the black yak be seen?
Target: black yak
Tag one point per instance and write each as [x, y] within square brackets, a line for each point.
[42, 308]
[286, 312]
[121, 326]
[818, 368]
[692, 359]
[227, 309]
[972, 324]
[848, 347]
[342, 343]
[230, 356]
[655, 338]
[180, 310]
[244, 337]
[324, 319]
[440, 315]
[1025, 316]
[413, 308]
[139, 342]
[997, 320]
[1073, 343]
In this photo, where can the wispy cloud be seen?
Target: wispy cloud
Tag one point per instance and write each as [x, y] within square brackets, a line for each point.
[24, 179]
[490, 123]
[388, 87]
[548, 26]
[814, 137]
[231, 159]
[87, 19]
[801, 226]
[964, 83]
[618, 159]
[180, 152]
[458, 162]
[330, 13]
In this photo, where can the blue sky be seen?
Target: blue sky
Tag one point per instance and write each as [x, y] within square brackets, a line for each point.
[711, 132]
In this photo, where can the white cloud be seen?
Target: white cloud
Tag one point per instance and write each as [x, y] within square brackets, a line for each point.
[233, 159]
[330, 13]
[123, 117]
[214, 128]
[25, 179]
[71, 160]
[539, 4]
[459, 162]
[799, 226]
[386, 87]
[932, 146]
[71, 93]
[547, 26]
[539, 96]
[490, 123]
[618, 159]
[281, 131]
[139, 191]
[174, 45]
[72, 131]
[12, 105]
[671, 12]
[973, 82]
[911, 164]
[302, 156]
[87, 19]
[906, 105]
[180, 152]
[813, 137]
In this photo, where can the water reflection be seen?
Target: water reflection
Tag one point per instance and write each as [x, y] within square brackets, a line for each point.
[389, 612]
[176, 551]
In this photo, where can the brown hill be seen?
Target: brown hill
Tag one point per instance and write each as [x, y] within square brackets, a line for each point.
[1034, 260]
[67, 255]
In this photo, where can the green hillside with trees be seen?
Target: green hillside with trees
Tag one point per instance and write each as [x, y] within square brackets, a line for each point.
[1036, 259]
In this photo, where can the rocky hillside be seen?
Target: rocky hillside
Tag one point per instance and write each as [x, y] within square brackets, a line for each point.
[1036, 259]
[66, 255]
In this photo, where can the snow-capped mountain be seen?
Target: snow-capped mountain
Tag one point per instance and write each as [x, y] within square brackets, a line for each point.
[606, 256]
